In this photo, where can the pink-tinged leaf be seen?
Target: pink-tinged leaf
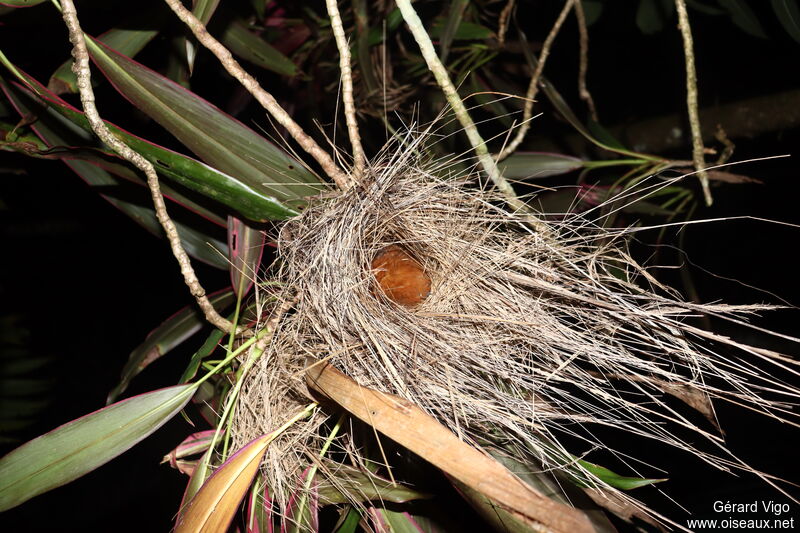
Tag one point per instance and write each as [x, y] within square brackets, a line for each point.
[523, 165]
[171, 333]
[395, 521]
[191, 445]
[246, 245]
[214, 136]
[185, 467]
[258, 518]
[78, 447]
[254, 204]
[50, 128]
[126, 40]
[213, 507]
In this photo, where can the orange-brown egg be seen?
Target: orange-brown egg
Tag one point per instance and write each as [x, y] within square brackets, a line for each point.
[400, 277]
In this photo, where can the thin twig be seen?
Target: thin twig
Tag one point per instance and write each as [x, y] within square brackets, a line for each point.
[451, 94]
[264, 98]
[347, 88]
[502, 24]
[533, 86]
[691, 99]
[81, 69]
[583, 65]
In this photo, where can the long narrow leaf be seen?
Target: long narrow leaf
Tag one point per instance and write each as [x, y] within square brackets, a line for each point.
[127, 41]
[249, 46]
[172, 332]
[21, 3]
[253, 203]
[213, 507]
[80, 446]
[214, 136]
[410, 427]
[521, 165]
[52, 131]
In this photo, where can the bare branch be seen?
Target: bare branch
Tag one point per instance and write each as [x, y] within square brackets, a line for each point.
[347, 88]
[533, 86]
[583, 66]
[264, 98]
[83, 74]
[451, 94]
[691, 99]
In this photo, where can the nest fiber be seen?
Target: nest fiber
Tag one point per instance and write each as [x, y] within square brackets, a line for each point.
[523, 338]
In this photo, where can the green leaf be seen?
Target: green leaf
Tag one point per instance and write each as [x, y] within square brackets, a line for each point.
[53, 129]
[467, 31]
[744, 17]
[652, 15]
[605, 137]
[395, 521]
[393, 21]
[704, 8]
[214, 136]
[252, 202]
[78, 447]
[22, 3]
[523, 165]
[203, 10]
[244, 43]
[348, 520]
[342, 483]
[126, 41]
[172, 332]
[615, 480]
[205, 350]
[788, 14]
[453, 22]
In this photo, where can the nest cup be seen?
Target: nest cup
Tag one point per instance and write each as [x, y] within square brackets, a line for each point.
[523, 338]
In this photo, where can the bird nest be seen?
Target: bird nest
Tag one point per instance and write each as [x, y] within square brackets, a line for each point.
[416, 283]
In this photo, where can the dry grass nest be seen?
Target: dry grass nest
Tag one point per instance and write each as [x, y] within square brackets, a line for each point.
[523, 338]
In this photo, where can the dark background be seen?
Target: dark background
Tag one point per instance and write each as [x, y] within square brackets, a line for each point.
[87, 284]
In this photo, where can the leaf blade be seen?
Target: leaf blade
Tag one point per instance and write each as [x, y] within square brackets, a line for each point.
[64, 454]
[196, 123]
[213, 507]
[170, 333]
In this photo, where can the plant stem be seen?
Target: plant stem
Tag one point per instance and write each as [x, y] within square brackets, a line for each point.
[347, 88]
[83, 73]
[451, 94]
[691, 99]
[264, 98]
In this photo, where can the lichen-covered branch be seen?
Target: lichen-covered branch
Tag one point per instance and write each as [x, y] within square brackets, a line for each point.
[451, 94]
[84, 83]
[264, 98]
[691, 99]
[347, 88]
